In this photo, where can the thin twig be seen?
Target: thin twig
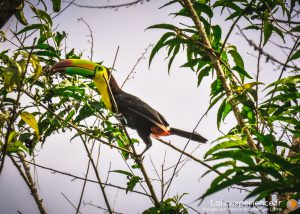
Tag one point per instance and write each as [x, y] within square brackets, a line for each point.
[29, 181]
[109, 6]
[258, 71]
[190, 156]
[70, 202]
[179, 160]
[97, 174]
[267, 55]
[84, 182]
[54, 171]
[233, 25]
[90, 35]
[136, 64]
[98, 207]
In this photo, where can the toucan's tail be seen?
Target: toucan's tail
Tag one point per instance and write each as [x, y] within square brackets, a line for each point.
[189, 135]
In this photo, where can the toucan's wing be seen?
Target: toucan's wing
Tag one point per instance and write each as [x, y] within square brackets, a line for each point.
[131, 105]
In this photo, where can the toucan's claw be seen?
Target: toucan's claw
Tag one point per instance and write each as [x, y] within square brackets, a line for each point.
[120, 117]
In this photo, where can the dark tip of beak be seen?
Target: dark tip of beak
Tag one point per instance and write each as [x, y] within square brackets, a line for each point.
[61, 66]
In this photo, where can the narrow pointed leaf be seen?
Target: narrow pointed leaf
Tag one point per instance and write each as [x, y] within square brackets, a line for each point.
[31, 121]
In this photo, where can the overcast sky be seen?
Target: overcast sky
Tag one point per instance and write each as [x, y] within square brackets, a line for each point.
[176, 96]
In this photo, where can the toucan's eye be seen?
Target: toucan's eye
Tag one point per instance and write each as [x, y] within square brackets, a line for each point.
[99, 68]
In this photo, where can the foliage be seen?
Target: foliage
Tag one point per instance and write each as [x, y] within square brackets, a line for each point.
[170, 205]
[272, 120]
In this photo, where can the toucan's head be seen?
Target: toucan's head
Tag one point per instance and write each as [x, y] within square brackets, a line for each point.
[98, 73]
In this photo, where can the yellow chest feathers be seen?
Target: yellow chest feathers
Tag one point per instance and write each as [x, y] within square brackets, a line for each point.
[101, 81]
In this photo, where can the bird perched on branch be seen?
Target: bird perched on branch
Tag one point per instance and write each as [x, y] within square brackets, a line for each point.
[138, 114]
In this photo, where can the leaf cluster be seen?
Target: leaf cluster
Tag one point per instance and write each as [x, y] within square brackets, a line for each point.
[273, 167]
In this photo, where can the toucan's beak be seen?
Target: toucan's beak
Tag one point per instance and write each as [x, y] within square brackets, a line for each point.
[80, 67]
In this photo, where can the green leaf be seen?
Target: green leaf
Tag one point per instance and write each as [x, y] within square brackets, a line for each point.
[234, 14]
[31, 121]
[227, 183]
[296, 55]
[192, 63]
[226, 145]
[284, 81]
[46, 53]
[132, 183]
[136, 166]
[59, 37]
[217, 32]
[225, 3]
[169, 3]
[69, 91]
[123, 172]
[226, 111]
[277, 160]
[296, 29]
[20, 14]
[163, 26]
[268, 29]
[32, 27]
[88, 110]
[40, 46]
[203, 72]
[42, 15]
[244, 155]
[12, 135]
[159, 45]
[216, 87]
[68, 118]
[56, 4]
[16, 146]
[279, 32]
[220, 113]
[249, 114]
[203, 8]
[288, 120]
[175, 52]
[222, 164]
[238, 60]
[266, 140]
[266, 189]
[251, 27]
[268, 170]
[213, 102]
[285, 97]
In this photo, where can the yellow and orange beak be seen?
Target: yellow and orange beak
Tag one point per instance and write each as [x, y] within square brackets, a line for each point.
[80, 67]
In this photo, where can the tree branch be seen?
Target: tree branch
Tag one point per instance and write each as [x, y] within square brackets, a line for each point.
[109, 6]
[221, 75]
[29, 181]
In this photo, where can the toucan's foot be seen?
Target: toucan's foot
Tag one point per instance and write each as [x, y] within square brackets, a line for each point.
[139, 159]
[120, 117]
[147, 147]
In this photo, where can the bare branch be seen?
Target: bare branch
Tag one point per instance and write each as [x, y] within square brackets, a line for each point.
[29, 181]
[130, 75]
[116, 6]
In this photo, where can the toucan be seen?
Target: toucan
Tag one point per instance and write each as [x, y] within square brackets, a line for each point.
[138, 115]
